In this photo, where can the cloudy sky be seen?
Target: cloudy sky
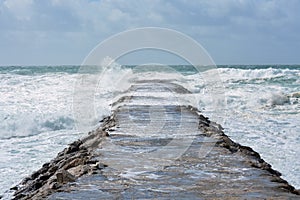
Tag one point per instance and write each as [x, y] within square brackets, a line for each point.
[53, 32]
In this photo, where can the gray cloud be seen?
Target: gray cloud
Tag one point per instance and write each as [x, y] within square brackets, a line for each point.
[77, 25]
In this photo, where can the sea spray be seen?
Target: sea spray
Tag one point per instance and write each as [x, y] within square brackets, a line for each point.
[37, 118]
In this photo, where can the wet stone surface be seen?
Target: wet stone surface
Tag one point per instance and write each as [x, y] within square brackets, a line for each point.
[220, 174]
[146, 150]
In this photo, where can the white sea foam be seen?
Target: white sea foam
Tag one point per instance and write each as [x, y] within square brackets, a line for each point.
[37, 118]
[261, 114]
[231, 74]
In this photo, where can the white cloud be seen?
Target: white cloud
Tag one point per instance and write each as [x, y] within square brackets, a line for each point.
[21, 9]
[116, 15]
[94, 14]
[94, 20]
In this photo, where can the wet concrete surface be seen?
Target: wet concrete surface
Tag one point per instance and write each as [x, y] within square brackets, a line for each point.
[150, 150]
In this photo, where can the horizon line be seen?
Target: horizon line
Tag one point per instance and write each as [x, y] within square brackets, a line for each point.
[57, 65]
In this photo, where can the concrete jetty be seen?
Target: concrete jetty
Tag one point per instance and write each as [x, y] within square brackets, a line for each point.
[152, 147]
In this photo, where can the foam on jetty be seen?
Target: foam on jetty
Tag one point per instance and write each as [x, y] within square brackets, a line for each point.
[149, 148]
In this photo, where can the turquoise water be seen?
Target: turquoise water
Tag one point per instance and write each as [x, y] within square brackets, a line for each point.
[262, 110]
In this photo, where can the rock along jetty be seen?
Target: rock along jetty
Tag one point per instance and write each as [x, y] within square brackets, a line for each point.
[153, 148]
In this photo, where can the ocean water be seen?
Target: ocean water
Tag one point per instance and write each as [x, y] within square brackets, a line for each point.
[262, 110]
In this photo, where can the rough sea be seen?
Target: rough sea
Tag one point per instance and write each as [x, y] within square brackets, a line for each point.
[37, 119]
